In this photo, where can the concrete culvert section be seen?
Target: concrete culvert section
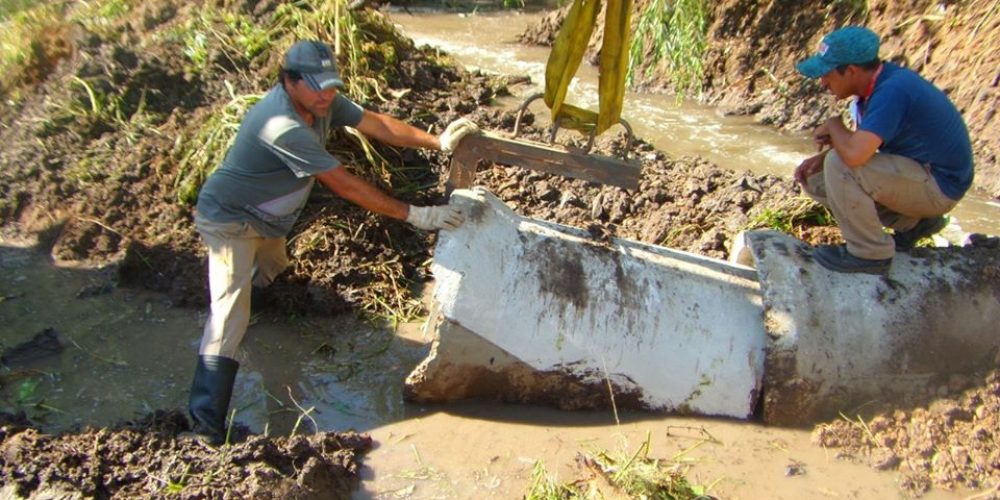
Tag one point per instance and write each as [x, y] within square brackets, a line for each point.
[839, 342]
[534, 311]
[531, 311]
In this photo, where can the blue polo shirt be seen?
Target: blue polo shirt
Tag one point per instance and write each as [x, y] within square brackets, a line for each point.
[915, 119]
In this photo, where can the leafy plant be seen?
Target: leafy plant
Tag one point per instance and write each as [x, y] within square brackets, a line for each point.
[205, 149]
[675, 32]
[795, 212]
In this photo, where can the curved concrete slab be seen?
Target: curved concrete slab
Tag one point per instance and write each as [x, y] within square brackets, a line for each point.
[838, 342]
[666, 330]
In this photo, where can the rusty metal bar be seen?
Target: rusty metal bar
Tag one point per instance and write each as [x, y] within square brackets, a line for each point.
[553, 160]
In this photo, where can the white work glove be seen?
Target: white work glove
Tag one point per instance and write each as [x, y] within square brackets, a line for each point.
[433, 218]
[455, 132]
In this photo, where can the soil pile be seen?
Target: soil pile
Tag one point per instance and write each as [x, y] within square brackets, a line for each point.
[684, 203]
[952, 442]
[145, 459]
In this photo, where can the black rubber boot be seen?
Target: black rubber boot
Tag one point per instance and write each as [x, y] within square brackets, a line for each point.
[210, 393]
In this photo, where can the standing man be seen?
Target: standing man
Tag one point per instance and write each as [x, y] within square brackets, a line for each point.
[250, 203]
[906, 164]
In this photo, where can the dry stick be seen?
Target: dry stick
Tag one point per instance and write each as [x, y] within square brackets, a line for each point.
[304, 413]
[611, 392]
[95, 356]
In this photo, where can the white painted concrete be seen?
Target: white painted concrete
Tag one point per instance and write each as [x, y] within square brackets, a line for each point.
[841, 342]
[685, 331]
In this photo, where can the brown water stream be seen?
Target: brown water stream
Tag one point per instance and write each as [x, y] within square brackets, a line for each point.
[487, 41]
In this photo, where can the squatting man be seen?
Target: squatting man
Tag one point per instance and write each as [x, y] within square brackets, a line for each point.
[906, 164]
[249, 204]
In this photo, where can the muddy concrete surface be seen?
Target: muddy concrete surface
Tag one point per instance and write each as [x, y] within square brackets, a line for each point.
[100, 189]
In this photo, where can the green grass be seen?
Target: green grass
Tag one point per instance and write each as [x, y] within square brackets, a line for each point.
[233, 35]
[102, 17]
[9, 8]
[785, 216]
[673, 31]
[201, 152]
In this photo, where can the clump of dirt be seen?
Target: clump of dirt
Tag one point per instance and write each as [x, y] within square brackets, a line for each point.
[145, 458]
[684, 203]
[950, 443]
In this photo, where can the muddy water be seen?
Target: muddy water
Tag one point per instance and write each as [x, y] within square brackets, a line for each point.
[127, 352]
[679, 128]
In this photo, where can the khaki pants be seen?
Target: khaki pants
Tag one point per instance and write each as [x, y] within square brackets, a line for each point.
[238, 258]
[888, 191]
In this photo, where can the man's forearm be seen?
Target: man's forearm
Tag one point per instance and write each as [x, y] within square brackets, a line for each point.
[392, 131]
[854, 148]
[361, 193]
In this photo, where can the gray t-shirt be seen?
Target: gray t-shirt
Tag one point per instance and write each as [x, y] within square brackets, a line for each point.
[267, 174]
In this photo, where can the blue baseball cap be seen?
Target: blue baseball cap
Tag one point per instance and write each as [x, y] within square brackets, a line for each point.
[850, 45]
[316, 62]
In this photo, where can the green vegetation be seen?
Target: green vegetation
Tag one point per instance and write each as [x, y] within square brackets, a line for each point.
[237, 38]
[795, 212]
[620, 474]
[30, 45]
[203, 150]
[673, 31]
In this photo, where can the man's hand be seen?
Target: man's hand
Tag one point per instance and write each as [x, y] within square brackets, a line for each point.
[433, 218]
[455, 132]
[809, 167]
[821, 136]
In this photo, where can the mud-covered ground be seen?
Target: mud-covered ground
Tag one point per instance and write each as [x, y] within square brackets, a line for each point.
[147, 459]
[952, 442]
[97, 190]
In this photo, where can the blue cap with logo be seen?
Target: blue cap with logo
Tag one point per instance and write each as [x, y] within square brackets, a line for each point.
[316, 62]
[850, 45]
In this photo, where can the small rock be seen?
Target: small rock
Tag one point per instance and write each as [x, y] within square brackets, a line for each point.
[795, 468]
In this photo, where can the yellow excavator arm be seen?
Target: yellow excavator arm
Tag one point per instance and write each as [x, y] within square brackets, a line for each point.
[567, 53]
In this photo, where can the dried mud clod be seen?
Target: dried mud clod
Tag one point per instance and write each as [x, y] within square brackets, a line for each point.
[145, 459]
[951, 443]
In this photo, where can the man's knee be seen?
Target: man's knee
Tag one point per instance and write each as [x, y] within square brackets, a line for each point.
[833, 163]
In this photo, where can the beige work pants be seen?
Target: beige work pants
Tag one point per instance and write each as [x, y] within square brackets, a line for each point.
[238, 258]
[888, 191]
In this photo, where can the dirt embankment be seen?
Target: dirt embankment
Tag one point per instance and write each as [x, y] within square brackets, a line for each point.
[752, 48]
